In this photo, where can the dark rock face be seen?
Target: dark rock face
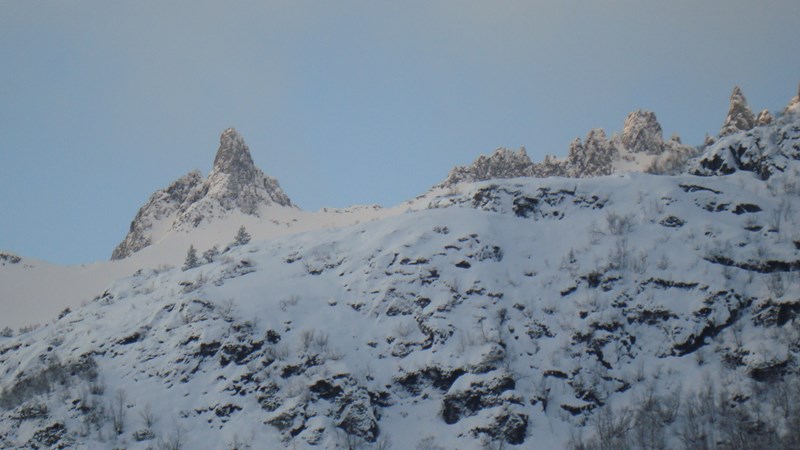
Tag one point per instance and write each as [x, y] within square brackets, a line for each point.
[235, 183]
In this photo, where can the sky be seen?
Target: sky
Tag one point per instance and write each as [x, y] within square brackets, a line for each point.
[346, 102]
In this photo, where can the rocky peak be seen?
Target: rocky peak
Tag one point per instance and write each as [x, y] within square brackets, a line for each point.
[642, 133]
[764, 118]
[233, 155]
[740, 117]
[235, 183]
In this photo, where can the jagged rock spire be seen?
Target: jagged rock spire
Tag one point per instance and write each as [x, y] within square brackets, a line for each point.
[740, 117]
[235, 181]
[233, 155]
[642, 133]
[234, 184]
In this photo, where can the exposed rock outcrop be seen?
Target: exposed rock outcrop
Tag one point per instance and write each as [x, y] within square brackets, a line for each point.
[766, 149]
[594, 157]
[642, 133]
[503, 163]
[640, 145]
[764, 118]
[740, 117]
[234, 184]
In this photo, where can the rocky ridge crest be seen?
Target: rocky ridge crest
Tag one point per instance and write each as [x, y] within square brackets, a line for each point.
[766, 148]
[641, 140]
[740, 117]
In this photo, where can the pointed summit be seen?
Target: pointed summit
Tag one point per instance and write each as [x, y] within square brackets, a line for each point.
[642, 133]
[234, 184]
[235, 181]
[740, 117]
[233, 155]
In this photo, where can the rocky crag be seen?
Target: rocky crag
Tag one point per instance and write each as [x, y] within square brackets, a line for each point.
[234, 184]
[640, 147]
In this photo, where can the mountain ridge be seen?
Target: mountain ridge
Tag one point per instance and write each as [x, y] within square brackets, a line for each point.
[639, 148]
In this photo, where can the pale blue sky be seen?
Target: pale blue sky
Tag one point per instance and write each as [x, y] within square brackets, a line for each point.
[102, 103]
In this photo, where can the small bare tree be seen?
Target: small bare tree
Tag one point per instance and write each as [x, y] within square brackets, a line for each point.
[117, 410]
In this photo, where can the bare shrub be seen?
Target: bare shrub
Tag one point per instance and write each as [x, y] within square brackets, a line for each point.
[612, 427]
[227, 309]
[146, 414]
[312, 341]
[292, 300]
[619, 225]
[428, 443]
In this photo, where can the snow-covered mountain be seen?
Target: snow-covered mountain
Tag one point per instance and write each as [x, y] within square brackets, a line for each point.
[631, 310]
[192, 211]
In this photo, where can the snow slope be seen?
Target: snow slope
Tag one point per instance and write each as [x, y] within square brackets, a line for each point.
[621, 311]
[203, 212]
[33, 291]
[509, 313]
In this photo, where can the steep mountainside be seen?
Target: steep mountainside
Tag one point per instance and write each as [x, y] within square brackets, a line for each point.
[470, 320]
[623, 311]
